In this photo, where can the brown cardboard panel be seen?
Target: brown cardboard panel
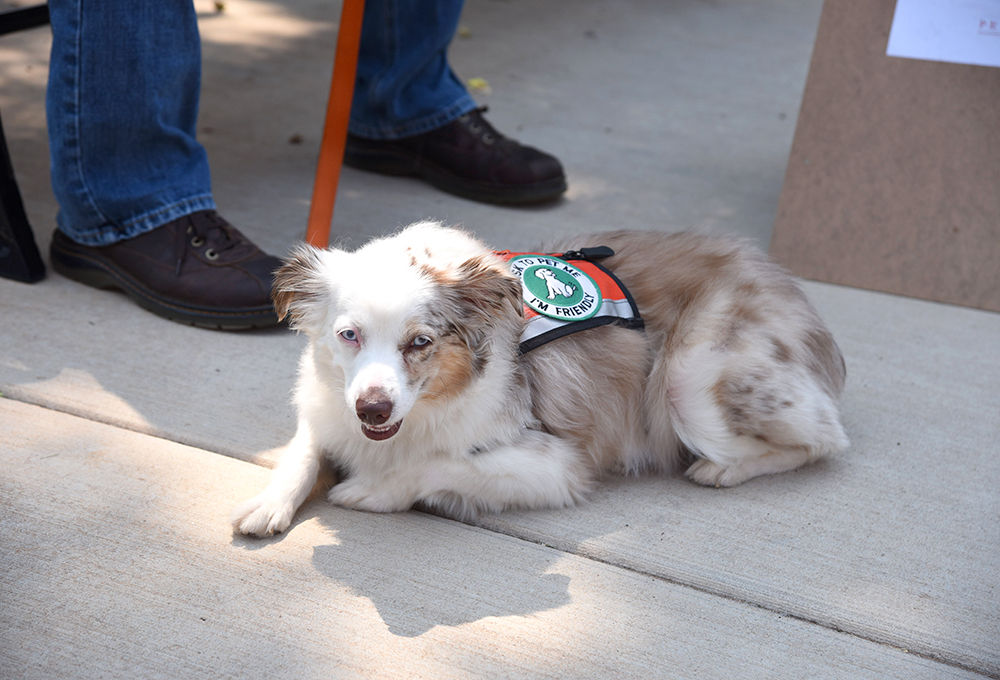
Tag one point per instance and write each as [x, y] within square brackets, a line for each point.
[893, 182]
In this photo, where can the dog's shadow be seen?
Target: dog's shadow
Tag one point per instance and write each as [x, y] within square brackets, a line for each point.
[421, 571]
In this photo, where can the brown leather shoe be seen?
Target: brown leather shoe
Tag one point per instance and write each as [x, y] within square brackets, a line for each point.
[468, 158]
[198, 270]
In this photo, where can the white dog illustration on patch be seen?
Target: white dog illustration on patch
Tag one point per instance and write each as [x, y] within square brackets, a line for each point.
[555, 286]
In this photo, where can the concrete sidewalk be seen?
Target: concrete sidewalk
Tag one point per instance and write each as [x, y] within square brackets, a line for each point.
[126, 440]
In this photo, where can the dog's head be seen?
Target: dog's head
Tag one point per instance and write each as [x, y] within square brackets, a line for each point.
[414, 317]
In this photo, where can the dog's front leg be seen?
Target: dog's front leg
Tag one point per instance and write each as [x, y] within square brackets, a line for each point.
[538, 470]
[387, 494]
[271, 511]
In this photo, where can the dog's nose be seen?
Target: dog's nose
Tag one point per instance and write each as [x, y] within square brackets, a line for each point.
[373, 411]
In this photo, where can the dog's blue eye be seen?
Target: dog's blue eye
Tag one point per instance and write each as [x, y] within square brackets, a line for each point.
[421, 341]
[349, 334]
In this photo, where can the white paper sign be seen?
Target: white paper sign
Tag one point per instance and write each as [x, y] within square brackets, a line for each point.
[959, 31]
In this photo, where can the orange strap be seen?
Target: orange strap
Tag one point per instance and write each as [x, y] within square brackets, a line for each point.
[338, 111]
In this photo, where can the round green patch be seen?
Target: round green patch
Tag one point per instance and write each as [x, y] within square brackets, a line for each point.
[555, 288]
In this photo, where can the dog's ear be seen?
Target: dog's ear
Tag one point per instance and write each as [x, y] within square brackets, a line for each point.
[298, 285]
[484, 290]
[480, 297]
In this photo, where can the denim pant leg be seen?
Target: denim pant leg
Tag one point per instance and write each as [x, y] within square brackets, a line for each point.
[122, 106]
[404, 85]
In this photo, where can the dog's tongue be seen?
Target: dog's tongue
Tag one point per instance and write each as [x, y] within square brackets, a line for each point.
[380, 435]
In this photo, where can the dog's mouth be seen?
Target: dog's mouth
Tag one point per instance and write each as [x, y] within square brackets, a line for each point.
[381, 433]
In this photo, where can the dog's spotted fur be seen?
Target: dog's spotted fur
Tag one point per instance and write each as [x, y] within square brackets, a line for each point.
[734, 367]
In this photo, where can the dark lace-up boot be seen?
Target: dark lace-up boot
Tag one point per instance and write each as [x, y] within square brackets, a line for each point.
[198, 269]
[468, 158]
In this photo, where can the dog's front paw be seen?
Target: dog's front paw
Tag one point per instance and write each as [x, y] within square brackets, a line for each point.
[263, 515]
[360, 496]
[707, 473]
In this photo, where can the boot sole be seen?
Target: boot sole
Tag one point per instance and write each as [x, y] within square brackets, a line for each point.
[397, 163]
[94, 273]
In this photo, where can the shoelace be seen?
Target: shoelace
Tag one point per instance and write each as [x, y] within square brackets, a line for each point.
[480, 127]
[204, 227]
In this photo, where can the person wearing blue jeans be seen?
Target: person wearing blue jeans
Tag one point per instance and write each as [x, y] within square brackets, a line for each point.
[136, 210]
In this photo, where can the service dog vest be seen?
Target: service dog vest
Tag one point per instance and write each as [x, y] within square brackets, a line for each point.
[569, 292]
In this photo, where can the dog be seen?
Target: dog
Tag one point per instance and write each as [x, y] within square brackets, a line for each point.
[414, 388]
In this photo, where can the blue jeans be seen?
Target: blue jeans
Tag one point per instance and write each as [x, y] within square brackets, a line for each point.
[122, 104]
[404, 84]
